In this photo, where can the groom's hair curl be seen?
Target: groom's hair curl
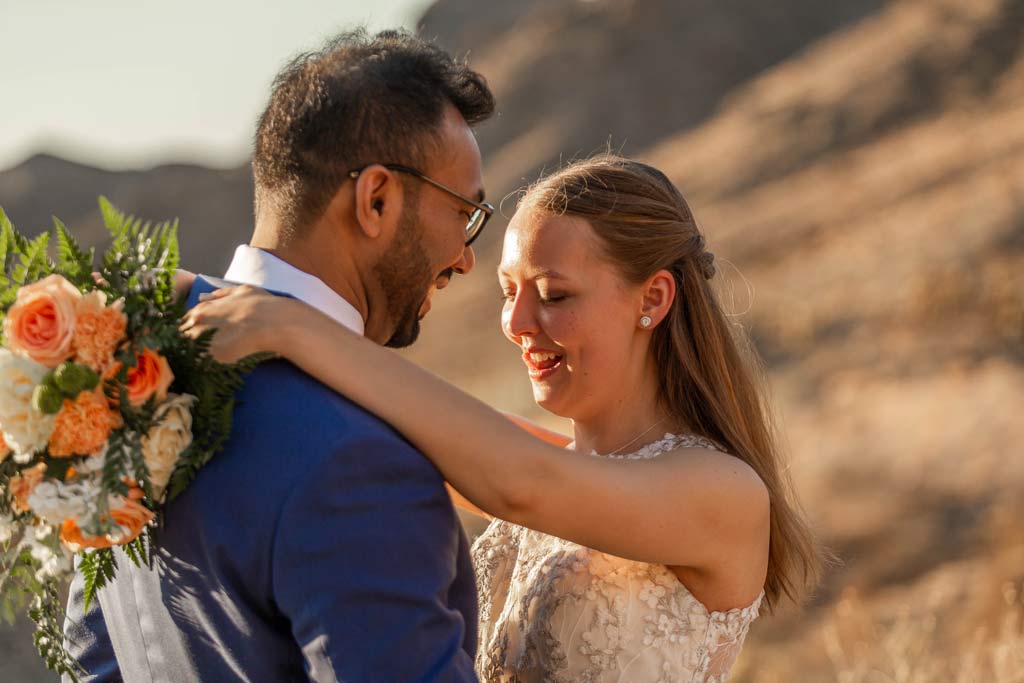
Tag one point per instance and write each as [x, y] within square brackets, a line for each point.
[360, 99]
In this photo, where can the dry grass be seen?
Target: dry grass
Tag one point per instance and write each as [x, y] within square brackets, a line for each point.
[910, 648]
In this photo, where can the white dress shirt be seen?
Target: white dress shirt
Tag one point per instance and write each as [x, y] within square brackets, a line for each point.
[259, 268]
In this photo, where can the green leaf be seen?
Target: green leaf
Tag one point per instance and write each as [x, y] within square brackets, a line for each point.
[48, 614]
[97, 568]
[74, 263]
[112, 218]
[11, 250]
[57, 468]
[7, 612]
[138, 551]
[34, 262]
[173, 258]
[8, 243]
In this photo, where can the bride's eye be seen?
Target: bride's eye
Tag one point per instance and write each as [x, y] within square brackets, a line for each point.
[553, 298]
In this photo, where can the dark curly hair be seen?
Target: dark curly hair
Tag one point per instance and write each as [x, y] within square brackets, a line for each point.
[358, 100]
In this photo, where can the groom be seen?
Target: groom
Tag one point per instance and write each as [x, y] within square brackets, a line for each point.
[319, 545]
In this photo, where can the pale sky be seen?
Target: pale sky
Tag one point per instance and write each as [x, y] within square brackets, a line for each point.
[134, 83]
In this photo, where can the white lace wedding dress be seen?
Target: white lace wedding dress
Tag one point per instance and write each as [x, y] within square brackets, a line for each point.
[552, 611]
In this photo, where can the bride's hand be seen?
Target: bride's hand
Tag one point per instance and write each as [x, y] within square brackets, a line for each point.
[247, 319]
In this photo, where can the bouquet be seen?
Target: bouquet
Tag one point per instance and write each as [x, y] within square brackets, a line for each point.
[107, 411]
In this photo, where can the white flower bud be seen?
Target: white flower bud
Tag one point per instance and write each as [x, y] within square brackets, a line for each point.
[6, 528]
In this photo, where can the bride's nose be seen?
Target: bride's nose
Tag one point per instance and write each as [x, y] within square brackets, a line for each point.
[519, 319]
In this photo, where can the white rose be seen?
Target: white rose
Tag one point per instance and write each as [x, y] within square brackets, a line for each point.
[25, 429]
[40, 551]
[53, 565]
[167, 440]
[94, 464]
[56, 501]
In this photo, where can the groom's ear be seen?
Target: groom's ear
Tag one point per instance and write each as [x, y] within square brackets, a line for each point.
[378, 201]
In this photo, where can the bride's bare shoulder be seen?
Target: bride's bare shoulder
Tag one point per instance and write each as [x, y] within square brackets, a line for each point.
[719, 474]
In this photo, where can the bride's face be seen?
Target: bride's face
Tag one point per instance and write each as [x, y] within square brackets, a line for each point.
[570, 313]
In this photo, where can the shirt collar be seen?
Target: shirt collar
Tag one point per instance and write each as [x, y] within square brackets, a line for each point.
[260, 268]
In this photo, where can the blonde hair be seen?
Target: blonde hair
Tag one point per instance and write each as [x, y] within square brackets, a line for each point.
[711, 380]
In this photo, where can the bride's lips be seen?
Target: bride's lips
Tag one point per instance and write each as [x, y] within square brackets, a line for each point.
[542, 363]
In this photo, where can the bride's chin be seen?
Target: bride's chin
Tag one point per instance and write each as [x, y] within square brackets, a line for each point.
[549, 401]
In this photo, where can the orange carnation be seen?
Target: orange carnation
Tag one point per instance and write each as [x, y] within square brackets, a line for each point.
[98, 331]
[133, 516]
[21, 486]
[83, 425]
[5, 450]
[41, 323]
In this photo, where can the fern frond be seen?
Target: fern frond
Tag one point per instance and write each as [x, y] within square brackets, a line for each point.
[74, 263]
[98, 568]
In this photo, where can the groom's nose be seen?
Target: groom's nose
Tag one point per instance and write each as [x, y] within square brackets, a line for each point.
[463, 266]
[466, 263]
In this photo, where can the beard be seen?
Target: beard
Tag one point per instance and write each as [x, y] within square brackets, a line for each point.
[404, 275]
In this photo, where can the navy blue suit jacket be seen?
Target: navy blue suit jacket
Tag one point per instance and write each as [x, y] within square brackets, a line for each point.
[319, 545]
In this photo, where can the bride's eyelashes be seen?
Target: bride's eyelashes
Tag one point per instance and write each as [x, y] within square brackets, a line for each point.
[508, 297]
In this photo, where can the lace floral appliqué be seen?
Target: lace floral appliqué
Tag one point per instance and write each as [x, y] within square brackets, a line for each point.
[552, 611]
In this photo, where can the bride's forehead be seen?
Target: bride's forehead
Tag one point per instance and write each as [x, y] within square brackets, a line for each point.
[548, 242]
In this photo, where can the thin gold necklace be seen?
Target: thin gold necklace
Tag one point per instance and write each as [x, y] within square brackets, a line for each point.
[637, 438]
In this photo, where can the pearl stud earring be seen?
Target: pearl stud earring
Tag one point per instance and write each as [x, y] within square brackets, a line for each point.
[645, 321]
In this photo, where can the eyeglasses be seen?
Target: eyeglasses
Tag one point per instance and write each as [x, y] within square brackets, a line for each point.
[477, 220]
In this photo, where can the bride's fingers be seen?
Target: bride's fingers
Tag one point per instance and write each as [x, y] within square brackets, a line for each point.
[192, 322]
[192, 332]
[233, 291]
[217, 294]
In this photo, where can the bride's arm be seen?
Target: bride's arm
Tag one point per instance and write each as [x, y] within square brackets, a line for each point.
[461, 502]
[556, 438]
[690, 510]
[560, 440]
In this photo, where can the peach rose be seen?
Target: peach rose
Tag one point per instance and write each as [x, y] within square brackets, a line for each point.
[98, 331]
[41, 323]
[151, 376]
[5, 450]
[132, 517]
[21, 486]
[82, 426]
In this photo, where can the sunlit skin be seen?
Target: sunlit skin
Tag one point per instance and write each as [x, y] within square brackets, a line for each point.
[702, 513]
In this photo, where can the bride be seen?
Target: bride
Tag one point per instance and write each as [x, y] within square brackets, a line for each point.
[644, 550]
